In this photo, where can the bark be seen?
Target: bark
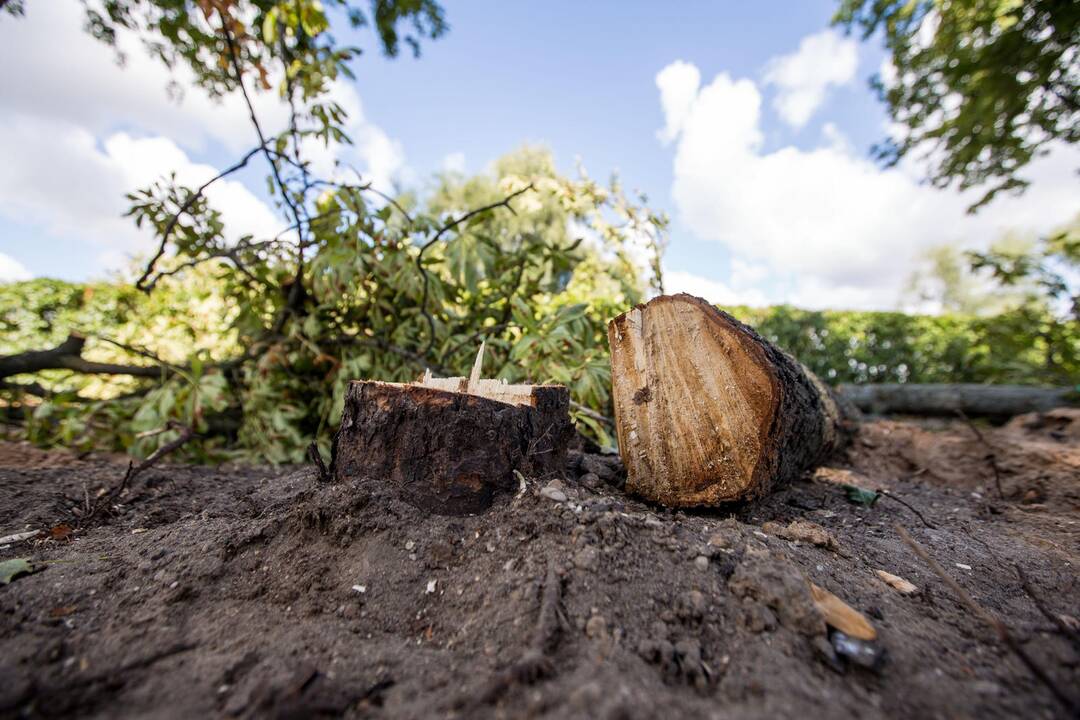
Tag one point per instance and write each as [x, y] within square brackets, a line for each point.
[993, 401]
[709, 412]
[68, 356]
[450, 452]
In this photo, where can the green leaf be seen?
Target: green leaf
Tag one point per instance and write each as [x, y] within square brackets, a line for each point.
[861, 496]
[16, 568]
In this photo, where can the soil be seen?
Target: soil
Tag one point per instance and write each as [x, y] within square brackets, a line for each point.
[263, 592]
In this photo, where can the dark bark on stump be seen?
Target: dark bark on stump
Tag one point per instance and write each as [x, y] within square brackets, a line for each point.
[448, 452]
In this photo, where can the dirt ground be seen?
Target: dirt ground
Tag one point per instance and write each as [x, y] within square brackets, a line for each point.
[261, 592]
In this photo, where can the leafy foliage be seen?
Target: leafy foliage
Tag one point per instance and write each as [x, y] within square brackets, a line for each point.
[982, 86]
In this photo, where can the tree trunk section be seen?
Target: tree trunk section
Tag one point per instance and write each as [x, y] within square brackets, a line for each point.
[448, 451]
[707, 411]
[974, 400]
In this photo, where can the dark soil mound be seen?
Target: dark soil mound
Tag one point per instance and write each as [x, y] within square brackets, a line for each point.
[257, 592]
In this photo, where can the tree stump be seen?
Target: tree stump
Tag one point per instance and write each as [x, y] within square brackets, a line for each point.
[451, 445]
[709, 412]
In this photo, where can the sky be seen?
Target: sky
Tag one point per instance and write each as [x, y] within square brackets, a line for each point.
[748, 123]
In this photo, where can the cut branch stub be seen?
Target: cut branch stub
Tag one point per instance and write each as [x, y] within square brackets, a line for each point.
[450, 446]
[707, 411]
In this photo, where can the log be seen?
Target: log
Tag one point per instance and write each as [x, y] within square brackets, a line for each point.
[451, 445]
[707, 411]
[950, 399]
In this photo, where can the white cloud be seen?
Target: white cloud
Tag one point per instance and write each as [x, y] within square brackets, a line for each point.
[832, 227]
[678, 83]
[55, 175]
[11, 270]
[716, 292]
[803, 77]
[78, 132]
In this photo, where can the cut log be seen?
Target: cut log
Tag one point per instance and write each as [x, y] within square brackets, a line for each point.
[709, 412]
[950, 399]
[451, 445]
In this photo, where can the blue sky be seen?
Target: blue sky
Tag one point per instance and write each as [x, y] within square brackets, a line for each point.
[749, 123]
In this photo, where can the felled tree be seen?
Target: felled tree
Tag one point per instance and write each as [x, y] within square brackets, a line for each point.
[358, 283]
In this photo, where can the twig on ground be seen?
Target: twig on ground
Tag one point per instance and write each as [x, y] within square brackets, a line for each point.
[316, 457]
[133, 470]
[909, 506]
[535, 662]
[991, 455]
[1049, 614]
[996, 624]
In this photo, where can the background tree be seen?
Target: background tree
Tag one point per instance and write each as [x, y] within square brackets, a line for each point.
[981, 87]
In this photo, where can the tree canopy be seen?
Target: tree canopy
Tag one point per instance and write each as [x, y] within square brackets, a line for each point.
[980, 87]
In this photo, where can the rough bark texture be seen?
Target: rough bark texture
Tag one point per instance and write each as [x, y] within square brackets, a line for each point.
[449, 452]
[707, 411]
[995, 401]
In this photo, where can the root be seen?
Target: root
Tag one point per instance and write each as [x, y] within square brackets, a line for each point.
[535, 663]
[998, 625]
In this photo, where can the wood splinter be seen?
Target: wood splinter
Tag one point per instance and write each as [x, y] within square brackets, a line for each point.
[451, 445]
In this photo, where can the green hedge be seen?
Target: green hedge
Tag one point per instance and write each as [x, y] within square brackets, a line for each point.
[841, 346]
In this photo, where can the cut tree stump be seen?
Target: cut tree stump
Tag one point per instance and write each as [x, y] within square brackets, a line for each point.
[451, 445]
[709, 412]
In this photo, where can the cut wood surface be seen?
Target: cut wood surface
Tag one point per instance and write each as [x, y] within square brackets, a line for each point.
[450, 445]
[972, 399]
[707, 411]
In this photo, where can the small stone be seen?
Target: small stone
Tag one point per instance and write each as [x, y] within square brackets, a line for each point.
[431, 586]
[360, 589]
[593, 464]
[409, 544]
[553, 492]
[590, 480]
[586, 558]
[863, 653]
[962, 566]
[490, 547]
[701, 562]
[596, 627]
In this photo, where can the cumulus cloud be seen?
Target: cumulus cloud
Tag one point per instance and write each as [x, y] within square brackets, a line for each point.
[831, 227]
[58, 177]
[803, 78]
[11, 270]
[678, 84]
[77, 132]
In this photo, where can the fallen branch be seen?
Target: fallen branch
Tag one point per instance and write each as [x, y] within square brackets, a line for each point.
[996, 624]
[68, 356]
[991, 455]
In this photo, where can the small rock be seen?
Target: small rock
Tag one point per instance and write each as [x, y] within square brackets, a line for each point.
[701, 562]
[596, 627]
[865, 654]
[590, 480]
[360, 588]
[780, 586]
[593, 464]
[962, 566]
[691, 605]
[409, 545]
[553, 493]
[431, 586]
[586, 558]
